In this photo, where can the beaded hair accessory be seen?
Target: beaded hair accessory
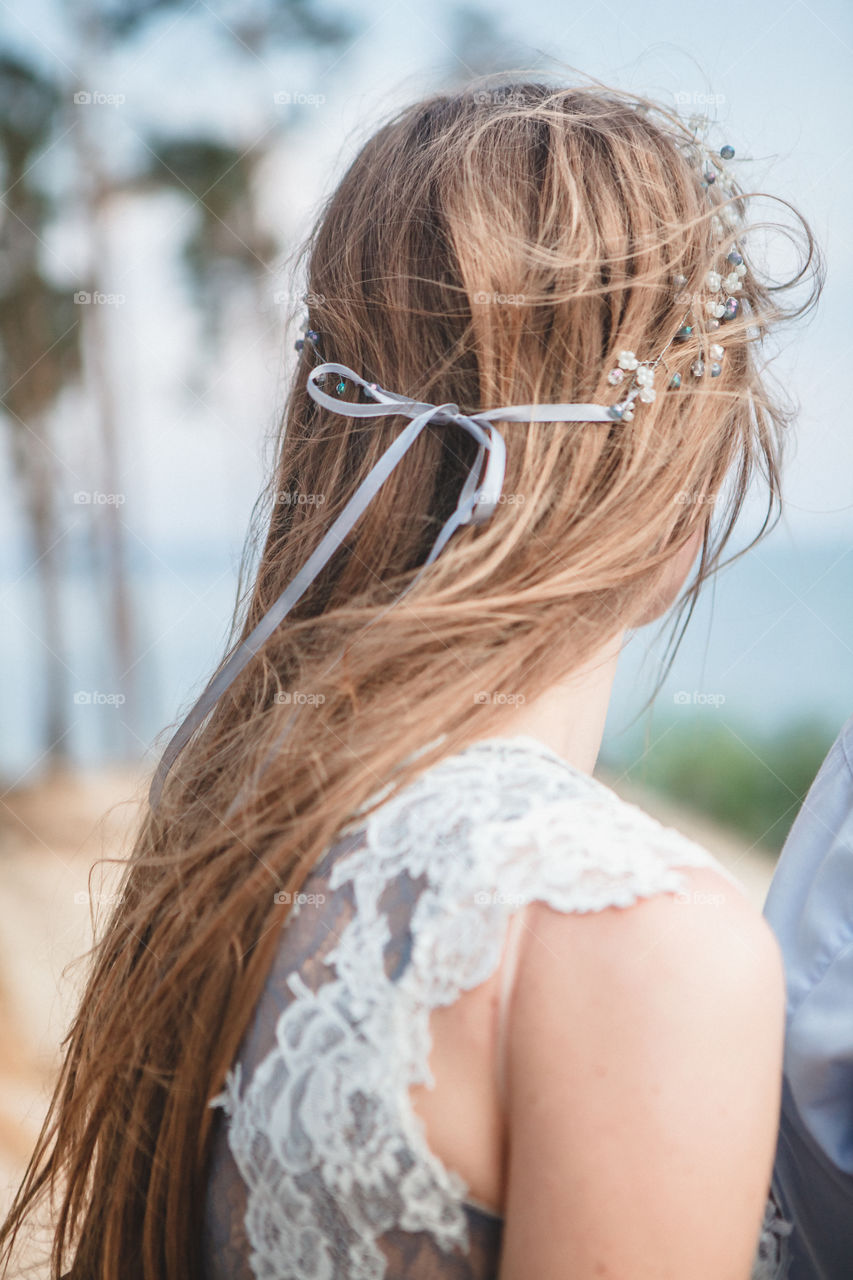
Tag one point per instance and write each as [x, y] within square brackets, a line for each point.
[481, 490]
[719, 299]
[720, 303]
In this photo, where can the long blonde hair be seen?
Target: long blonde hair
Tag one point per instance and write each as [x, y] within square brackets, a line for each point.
[494, 246]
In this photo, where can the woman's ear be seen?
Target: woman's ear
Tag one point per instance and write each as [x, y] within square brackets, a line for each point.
[672, 577]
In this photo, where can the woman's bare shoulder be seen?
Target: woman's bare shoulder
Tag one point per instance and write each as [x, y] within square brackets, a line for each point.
[643, 1061]
[706, 917]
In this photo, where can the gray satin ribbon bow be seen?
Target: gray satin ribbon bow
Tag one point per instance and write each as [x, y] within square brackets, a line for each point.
[478, 500]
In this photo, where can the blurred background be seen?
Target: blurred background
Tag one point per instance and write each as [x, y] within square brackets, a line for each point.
[160, 163]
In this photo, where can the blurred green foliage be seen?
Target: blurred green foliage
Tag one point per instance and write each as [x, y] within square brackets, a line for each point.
[753, 785]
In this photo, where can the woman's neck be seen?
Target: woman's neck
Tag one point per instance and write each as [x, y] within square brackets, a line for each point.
[569, 717]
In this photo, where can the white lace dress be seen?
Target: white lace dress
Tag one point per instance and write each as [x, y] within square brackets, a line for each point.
[320, 1169]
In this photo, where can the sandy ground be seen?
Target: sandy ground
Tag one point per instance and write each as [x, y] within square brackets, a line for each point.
[51, 833]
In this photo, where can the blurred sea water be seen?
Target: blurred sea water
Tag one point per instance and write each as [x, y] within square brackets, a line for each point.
[770, 642]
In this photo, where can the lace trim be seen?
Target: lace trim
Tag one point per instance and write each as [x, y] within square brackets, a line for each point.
[773, 1258]
[324, 1134]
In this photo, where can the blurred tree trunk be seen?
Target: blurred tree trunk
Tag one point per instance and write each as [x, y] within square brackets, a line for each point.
[37, 471]
[99, 375]
[38, 357]
[96, 192]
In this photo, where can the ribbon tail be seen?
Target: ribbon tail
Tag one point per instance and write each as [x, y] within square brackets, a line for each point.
[292, 593]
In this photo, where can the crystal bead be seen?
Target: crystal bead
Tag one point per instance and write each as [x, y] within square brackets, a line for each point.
[340, 387]
[615, 376]
[714, 279]
[715, 369]
[679, 280]
[299, 344]
[717, 351]
[713, 324]
[741, 269]
[675, 381]
[732, 282]
[647, 394]
[685, 331]
[731, 308]
[727, 152]
[697, 368]
[734, 258]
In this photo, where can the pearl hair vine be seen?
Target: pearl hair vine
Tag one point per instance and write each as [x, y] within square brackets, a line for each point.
[720, 304]
[718, 299]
